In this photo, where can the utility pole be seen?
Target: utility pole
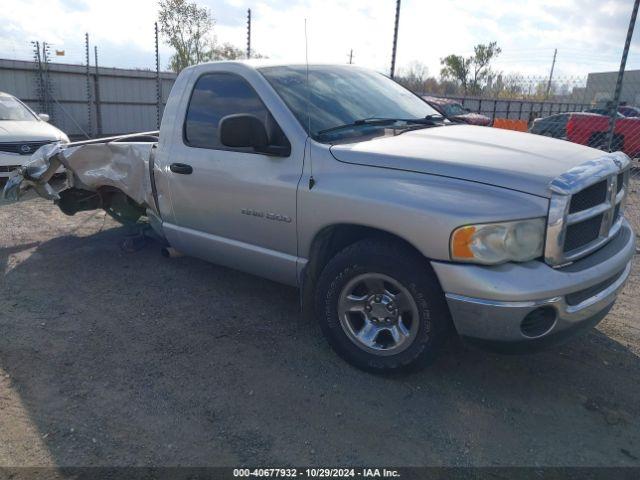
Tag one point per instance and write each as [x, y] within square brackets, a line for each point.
[97, 85]
[88, 72]
[158, 83]
[395, 40]
[613, 108]
[553, 65]
[249, 33]
[351, 57]
[47, 89]
[37, 59]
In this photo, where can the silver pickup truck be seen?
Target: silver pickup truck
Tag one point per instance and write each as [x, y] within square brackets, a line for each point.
[398, 226]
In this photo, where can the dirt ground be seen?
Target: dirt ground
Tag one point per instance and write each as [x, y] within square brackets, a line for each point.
[113, 358]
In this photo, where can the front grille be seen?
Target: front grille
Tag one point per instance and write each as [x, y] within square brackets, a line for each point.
[589, 197]
[586, 208]
[583, 233]
[577, 298]
[22, 148]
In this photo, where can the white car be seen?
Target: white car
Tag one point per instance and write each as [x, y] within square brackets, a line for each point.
[22, 132]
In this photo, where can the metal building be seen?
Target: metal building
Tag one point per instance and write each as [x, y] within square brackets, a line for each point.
[121, 100]
[602, 85]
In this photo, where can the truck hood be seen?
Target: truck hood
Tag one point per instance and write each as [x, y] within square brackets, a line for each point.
[26, 131]
[504, 158]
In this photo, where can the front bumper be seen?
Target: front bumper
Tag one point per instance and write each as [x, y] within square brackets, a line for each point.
[9, 162]
[489, 304]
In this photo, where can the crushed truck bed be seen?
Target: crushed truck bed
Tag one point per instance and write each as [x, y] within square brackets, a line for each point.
[97, 172]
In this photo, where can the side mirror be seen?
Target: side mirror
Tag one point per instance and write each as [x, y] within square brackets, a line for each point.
[248, 131]
[44, 117]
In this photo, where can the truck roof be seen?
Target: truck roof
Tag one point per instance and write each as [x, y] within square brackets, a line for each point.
[257, 63]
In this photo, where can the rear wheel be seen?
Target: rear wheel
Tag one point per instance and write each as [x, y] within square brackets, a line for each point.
[381, 307]
[600, 141]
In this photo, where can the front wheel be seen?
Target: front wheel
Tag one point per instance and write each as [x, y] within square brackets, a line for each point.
[381, 307]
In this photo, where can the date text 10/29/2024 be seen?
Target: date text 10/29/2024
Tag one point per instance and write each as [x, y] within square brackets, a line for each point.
[316, 472]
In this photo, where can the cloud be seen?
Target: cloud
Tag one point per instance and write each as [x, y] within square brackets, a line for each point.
[589, 34]
[123, 30]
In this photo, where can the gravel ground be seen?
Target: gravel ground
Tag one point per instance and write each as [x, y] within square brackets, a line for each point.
[113, 358]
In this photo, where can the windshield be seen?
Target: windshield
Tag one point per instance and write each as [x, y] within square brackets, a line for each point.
[629, 112]
[12, 109]
[453, 109]
[341, 96]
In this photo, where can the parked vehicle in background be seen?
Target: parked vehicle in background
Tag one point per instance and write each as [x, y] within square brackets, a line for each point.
[623, 111]
[603, 111]
[591, 129]
[454, 111]
[554, 126]
[396, 224]
[22, 132]
[629, 111]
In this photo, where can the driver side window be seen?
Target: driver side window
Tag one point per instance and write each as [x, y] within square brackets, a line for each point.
[216, 95]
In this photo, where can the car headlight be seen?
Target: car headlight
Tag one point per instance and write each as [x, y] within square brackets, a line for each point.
[493, 243]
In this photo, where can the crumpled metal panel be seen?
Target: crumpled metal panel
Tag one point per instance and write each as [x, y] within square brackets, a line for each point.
[121, 165]
[35, 174]
[124, 166]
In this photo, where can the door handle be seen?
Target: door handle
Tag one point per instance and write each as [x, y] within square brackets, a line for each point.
[181, 168]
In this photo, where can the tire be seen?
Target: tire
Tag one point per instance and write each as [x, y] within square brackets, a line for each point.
[372, 274]
[598, 140]
[618, 143]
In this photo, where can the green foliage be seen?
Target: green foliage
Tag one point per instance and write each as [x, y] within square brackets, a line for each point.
[188, 28]
[226, 51]
[482, 56]
[470, 72]
[456, 68]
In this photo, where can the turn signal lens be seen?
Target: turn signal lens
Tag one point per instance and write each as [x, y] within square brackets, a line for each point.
[461, 242]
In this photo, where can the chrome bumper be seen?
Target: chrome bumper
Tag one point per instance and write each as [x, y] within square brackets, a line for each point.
[490, 303]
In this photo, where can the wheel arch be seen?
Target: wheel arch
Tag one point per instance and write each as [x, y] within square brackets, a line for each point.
[331, 239]
[111, 199]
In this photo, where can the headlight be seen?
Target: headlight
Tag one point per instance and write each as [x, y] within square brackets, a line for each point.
[493, 243]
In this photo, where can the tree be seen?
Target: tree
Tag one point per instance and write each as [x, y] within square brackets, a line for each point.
[471, 72]
[226, 51]
[187, 28]
[414, 77]
[506, 86]
[457, 68]
[482, 56]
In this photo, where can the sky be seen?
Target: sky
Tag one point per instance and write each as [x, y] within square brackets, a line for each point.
[589, 34]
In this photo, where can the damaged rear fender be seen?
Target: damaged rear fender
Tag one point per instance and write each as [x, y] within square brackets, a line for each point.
[113, 175]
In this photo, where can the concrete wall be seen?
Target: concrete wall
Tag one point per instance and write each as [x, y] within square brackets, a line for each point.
[127, 97]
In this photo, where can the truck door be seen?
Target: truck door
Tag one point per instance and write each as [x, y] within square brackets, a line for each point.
[233, 206]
